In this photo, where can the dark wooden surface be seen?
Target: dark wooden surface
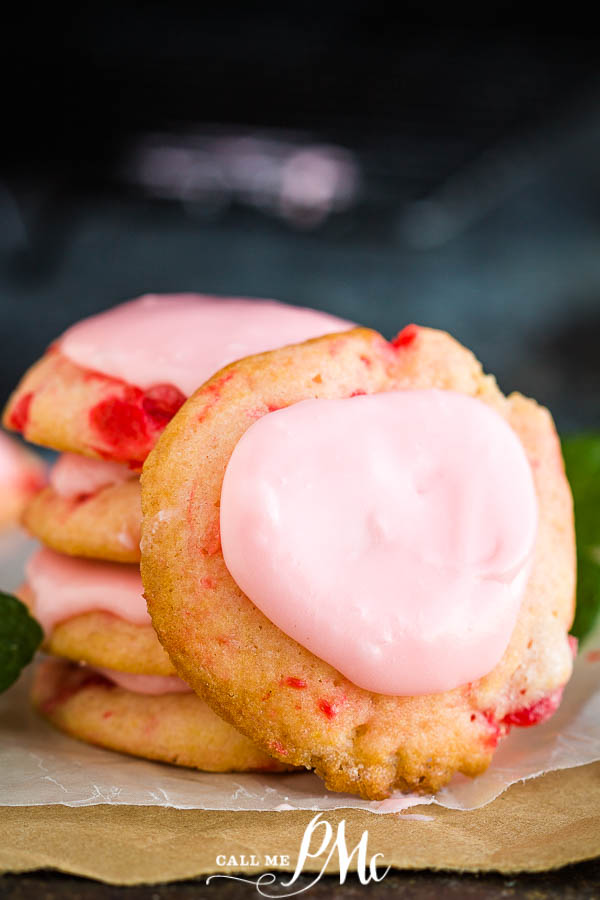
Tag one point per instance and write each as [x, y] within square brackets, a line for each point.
[579, 881]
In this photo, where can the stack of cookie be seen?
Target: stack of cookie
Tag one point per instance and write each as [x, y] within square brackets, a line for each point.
[102, 395]
[360, 553]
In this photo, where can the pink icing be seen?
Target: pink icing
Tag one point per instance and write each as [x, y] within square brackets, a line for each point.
[183, 339]
[390, 534]
[76, 476]
[145, 684]
[64, 587]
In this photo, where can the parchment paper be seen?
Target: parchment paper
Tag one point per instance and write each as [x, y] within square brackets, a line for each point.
[40, 766]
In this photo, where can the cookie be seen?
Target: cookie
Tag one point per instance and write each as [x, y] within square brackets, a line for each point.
[22, 474]
[61, 405]
[176, 728]
[103, 525]
[93, 612]
[290, 701]
[109, 385]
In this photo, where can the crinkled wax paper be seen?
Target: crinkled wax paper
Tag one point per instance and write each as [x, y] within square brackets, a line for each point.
[41, 766]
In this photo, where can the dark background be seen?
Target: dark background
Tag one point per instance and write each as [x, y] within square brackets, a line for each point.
[474, 201]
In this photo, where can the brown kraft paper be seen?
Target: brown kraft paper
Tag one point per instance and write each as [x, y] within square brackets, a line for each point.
[541, 824]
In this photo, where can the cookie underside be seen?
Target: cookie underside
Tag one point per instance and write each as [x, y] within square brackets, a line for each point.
[173, 728]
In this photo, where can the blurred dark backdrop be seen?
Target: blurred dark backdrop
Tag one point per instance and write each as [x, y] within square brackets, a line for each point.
[318, 154]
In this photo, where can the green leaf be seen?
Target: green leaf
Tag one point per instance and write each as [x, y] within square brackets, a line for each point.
[582, 463]
[20, 636]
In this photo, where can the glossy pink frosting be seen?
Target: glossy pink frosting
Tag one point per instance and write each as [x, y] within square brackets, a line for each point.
[76, 476]
[183, 339]
[145, 684]
[391, 534]
[65, 587]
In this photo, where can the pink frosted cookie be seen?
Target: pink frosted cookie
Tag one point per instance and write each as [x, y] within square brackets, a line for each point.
[108, 386]
[90, 508]
[93, 612]
[157, 719]
[362, 555]
[21, 475]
